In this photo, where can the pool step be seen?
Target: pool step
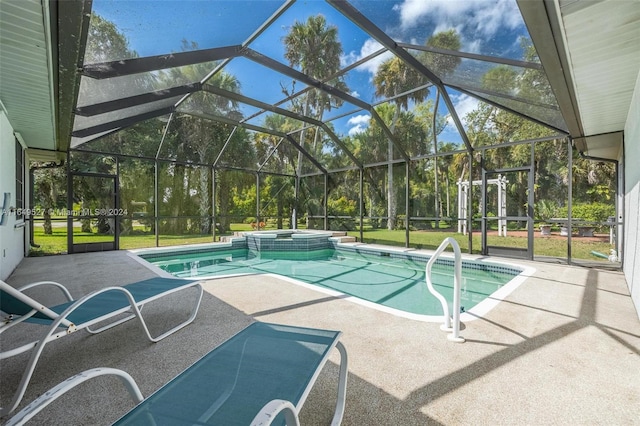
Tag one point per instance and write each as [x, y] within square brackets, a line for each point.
[346, 239]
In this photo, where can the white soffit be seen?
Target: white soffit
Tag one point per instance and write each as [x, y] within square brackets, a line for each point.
[26, 88]
[606, 146]
[44, 156]
[603, 47]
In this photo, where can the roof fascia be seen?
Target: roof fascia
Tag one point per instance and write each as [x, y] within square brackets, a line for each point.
[544, 23]
[72, 26]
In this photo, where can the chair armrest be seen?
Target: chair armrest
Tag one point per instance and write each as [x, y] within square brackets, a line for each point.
[57, 391]
[272, 409]
[59, 286]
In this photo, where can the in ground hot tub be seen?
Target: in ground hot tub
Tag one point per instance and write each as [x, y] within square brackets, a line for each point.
[287, 240]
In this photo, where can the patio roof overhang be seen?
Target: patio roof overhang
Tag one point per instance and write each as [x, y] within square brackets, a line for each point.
[27, 92]
[590, 51]
[38, 69]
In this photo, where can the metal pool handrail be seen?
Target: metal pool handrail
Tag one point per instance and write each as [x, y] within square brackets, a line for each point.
[457, 279]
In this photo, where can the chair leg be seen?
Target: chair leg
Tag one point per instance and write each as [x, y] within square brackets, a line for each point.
[342, 385]
[111, 325]
[24, 348]
[54, 393]
[31, 365]
[52, 335]
[176, 328]
[269, 412]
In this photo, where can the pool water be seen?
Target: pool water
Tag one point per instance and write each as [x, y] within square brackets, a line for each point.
[397, 283]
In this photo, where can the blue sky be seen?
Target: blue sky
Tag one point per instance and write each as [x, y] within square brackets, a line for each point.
[154, 27]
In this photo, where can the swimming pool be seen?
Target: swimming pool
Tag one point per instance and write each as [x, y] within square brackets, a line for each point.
[391, 280]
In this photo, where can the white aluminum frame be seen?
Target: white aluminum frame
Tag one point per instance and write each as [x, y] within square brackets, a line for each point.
[61, 327]
[264, 417]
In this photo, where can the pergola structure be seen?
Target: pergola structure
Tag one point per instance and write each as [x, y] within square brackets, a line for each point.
[463, 203]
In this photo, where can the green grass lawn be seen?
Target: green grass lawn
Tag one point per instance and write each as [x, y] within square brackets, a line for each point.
[56, 243]
[554, 247]
[542, 246]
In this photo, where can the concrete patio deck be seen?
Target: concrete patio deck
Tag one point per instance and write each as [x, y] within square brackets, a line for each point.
[563, 348]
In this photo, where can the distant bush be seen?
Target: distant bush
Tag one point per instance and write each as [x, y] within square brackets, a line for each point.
[546, 209]
[342, 207]
[591, 212]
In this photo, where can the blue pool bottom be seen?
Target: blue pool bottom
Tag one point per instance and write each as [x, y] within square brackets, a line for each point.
[392, 280]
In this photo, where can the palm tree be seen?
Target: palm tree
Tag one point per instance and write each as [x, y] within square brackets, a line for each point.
[203, 137]
[314, 48]
[394, 77]
[441, 65]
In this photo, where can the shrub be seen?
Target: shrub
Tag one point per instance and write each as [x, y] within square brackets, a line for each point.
[342, 207]
[591, 212]
[546, 209]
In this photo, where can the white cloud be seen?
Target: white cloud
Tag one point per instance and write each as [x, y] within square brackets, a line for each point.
[411, 11]
[370, 46]
[359, 124]
[463, 105]
[359, 119]
[482, 17]
[473, 46]
[355, 94]
[357, 129]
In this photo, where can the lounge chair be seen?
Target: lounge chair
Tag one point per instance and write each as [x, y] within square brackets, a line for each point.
[260, 376]
[113, 304]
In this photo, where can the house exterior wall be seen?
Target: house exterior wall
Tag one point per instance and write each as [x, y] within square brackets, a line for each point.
[11, 237]
[631, 251]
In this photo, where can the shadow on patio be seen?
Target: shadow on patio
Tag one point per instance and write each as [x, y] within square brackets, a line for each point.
[563, 348]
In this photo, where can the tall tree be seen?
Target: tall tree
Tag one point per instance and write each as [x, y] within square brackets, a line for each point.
[49, 184]
[314, 47]
[279, 155]
[489, 125]
[396, 80]
[442, 65]
[105, 42]
[203, 137]
[393, 78]
[433, 125]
